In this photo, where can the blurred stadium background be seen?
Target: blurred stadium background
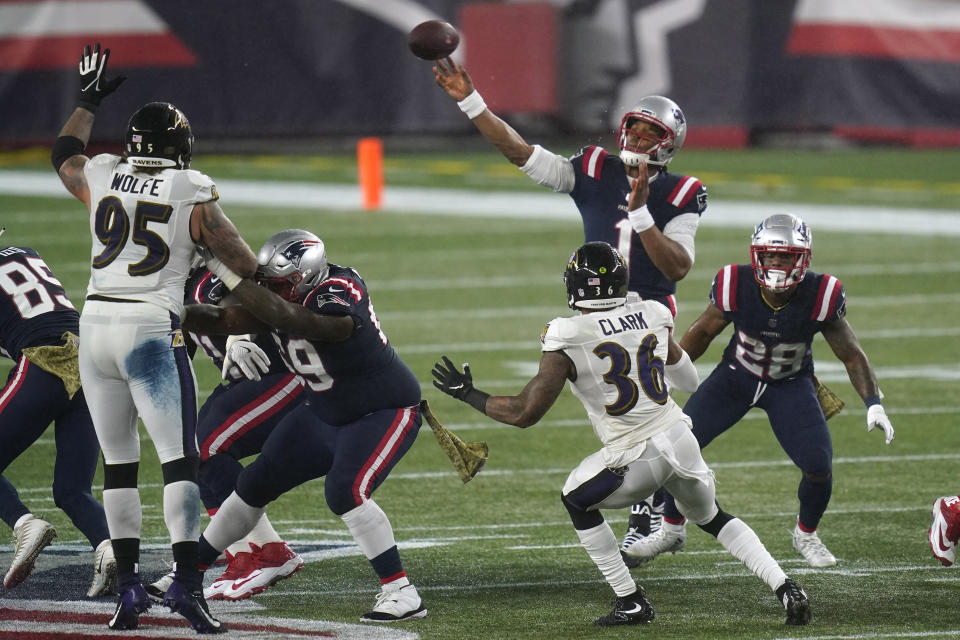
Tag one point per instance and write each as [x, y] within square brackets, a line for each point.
[843, 112]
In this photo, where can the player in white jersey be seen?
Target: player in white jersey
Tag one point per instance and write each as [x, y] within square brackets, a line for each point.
[620, 358]
[148, 214]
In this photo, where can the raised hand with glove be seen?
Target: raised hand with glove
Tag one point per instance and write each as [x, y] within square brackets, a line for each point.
[94, 85]
[248, 357]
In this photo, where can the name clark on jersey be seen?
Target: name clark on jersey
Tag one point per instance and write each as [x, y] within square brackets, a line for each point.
[631, 321]
[129, 184]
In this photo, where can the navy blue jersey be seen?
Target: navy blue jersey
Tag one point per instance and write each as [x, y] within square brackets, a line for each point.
[774, 344]
[34, 308]
[205, 288]
[355, 377]
[601, 191]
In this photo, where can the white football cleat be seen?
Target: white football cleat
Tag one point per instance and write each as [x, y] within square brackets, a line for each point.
[812, 548]
[30, 536]
[271, 563]
[395, 603]
[670, 538]
[104, 571]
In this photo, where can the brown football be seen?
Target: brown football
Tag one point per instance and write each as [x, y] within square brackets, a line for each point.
[433, 39]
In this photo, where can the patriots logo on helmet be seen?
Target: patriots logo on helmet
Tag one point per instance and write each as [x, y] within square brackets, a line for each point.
[295, 250]
[678, 116]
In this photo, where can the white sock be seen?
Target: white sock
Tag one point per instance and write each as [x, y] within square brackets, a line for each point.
[232, 522]
[181, 510]
[604, 549]
[263, 532]
[744, 545]
[122, 508]
[371, 529]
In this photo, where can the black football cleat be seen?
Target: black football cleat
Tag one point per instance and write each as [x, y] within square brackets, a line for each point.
[131, 602]
[795, 601]
[191, 605]
[631, 609]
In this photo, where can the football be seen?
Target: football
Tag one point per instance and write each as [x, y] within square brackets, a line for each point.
[433, 39]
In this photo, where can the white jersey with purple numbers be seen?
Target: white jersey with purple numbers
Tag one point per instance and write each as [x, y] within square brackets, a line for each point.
[140, 225]
[619, 355]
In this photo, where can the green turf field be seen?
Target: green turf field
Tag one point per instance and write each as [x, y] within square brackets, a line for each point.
[498, 558]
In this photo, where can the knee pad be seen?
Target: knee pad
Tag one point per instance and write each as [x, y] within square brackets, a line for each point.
[581, 518]
[120, 476]
[180, 470]
[339, 496]
[254, 486]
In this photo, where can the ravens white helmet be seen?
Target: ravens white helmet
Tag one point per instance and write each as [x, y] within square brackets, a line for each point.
[780, 251]
[653, 148]
[292, 263]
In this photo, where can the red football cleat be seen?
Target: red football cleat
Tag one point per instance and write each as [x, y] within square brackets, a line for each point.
[945, 530]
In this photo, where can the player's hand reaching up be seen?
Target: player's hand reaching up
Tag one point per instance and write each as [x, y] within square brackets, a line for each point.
[641, 190]
[94, 85]
[453, 79]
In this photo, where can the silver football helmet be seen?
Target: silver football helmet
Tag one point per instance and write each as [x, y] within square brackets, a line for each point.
[636, 149]
[292, 263]
[780, 251]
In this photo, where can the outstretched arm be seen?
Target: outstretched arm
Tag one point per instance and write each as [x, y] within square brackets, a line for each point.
[67, 154]
[211, 227]
[702, 332]
[453, 79]
[522, 410]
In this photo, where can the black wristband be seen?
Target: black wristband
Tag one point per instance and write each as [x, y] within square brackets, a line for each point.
[89, 106]
[65, 148]
[477, 399]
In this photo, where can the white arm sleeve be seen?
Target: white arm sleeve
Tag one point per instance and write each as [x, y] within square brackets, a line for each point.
[550, 170]
[682, 374]
[682, 230]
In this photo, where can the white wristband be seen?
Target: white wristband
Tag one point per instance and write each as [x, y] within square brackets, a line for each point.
[222, 271]
[640, 219]
[473, 105]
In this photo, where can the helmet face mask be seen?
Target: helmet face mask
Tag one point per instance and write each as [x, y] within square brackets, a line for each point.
[638, 148]
[291, 264]
[158, 136]
[780, 251]
[596, 277]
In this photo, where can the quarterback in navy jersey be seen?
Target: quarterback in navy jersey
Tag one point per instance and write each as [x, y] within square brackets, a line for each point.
[234, 422]
[38, 331]
[777, 307]
[360, 416]
[629, 201]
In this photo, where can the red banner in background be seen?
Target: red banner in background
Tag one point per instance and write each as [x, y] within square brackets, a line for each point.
[300, 70]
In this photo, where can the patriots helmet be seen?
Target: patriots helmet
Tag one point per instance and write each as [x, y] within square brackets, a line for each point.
[637, 148]
[158, 136]
[783, 242]
[596, 277]
[292, 263]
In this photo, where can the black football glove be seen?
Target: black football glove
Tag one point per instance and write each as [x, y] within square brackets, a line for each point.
[451, 381]
[94, 85]
[448, 379]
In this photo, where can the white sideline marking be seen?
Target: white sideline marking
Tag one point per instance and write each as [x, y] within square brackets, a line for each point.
[526, 205]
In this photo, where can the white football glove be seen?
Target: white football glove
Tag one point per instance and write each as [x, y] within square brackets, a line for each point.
[877, 417]
[248, 357]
